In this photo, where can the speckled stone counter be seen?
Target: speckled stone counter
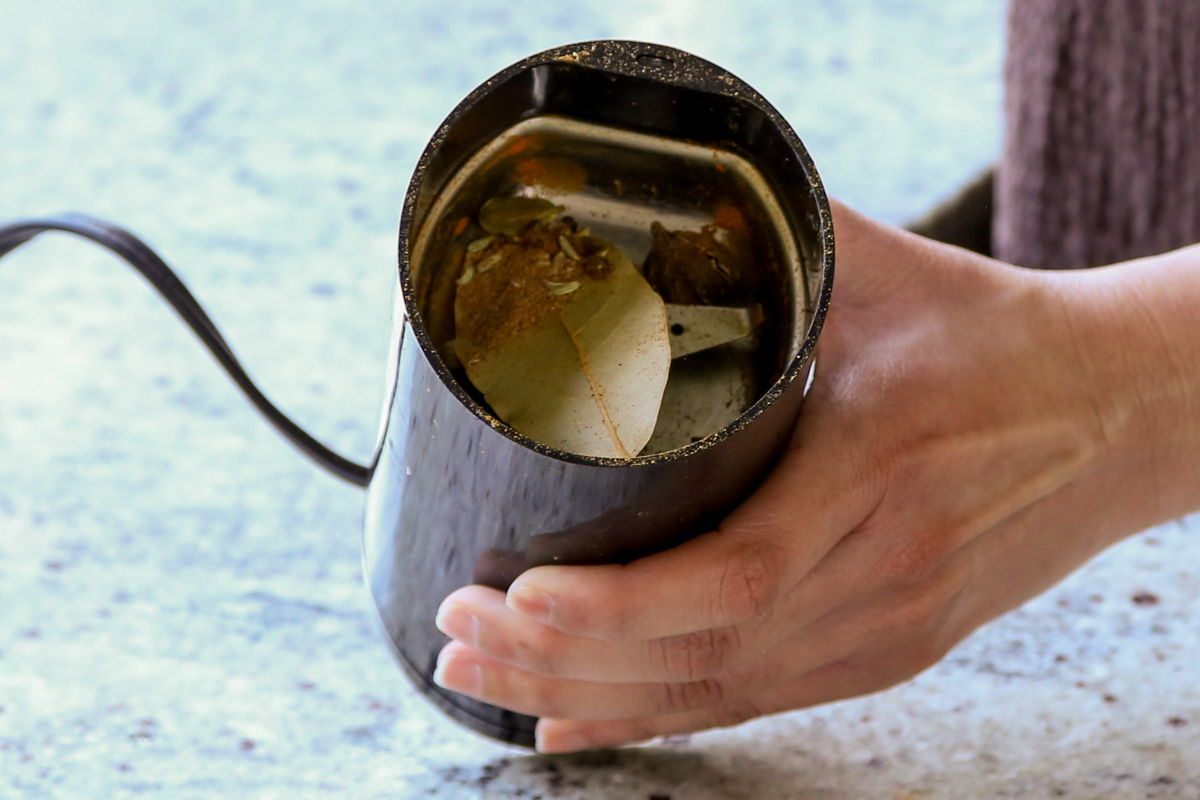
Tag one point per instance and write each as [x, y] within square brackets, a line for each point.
[181, 606]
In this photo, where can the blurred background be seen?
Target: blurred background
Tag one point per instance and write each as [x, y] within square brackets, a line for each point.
[181, 609]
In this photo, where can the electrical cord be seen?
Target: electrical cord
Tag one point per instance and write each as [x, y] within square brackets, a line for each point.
[172, 289]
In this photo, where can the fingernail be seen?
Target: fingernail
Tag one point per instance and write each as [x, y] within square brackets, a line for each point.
[458, 623]
[562, 743]
[531, 602]
[459, 674]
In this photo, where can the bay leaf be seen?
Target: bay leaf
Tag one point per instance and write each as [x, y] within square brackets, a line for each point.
[587, 377]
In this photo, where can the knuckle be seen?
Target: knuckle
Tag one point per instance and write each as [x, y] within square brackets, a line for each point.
[927, 607]
[695, 656]
[914, 614]
[920, 555]
[690, 695]
[752, 581]
[947, 584]
[920, 626]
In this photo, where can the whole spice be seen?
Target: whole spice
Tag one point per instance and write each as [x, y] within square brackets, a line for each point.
[509, 215]
[693, 268]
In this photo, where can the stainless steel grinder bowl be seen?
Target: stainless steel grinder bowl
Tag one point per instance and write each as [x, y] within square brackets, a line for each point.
[455, 495]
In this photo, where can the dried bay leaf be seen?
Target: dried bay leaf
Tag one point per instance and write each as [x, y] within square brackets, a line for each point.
[581, 370]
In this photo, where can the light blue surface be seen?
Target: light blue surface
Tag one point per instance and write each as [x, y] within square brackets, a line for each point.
[181, 611]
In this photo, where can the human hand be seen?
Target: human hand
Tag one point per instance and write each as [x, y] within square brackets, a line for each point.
[974, 432]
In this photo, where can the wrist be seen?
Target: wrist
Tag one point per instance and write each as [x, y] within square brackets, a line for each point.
[1136, 327]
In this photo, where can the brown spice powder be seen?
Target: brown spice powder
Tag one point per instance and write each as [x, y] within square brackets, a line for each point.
[516, 282]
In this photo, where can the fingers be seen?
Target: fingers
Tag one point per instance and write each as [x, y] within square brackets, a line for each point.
[833, 682]
[477, 616]
[889, 659]
[709, 582]
[907, 626]
[868, 570]
[903, 643]
[467, 671]
[734, 574]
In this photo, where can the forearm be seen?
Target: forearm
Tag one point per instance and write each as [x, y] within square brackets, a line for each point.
[1138, 331]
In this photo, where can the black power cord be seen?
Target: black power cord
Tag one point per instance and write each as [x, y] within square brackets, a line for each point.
[171, 288]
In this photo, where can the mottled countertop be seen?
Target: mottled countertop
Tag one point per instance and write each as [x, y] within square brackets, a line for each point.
[181, 604]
